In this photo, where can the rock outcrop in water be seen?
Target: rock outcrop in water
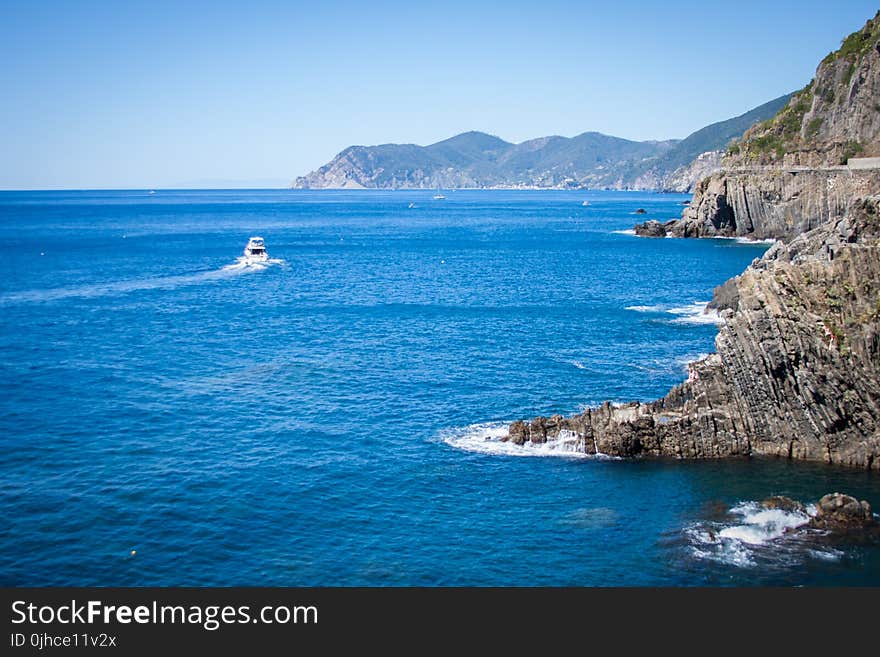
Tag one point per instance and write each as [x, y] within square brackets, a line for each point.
[652, 228]
[796, 371]
[834, 512]
[837, 512]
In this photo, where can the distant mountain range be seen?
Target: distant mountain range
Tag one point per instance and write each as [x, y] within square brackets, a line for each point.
[588, 161]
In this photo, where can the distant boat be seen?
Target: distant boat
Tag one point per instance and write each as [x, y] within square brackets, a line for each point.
[152, 191]
[438, 196]
[585, 203]
[255, 251]
[412, 205]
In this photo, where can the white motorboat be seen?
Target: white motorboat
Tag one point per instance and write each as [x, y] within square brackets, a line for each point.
[255, 251]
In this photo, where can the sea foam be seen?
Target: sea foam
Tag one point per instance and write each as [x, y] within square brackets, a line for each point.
[754, 533]
[694, 313]
[486, 438]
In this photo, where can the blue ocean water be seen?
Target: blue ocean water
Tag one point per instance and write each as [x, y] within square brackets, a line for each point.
[323, 420]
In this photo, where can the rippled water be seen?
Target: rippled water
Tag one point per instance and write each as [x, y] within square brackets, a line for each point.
[318, 420]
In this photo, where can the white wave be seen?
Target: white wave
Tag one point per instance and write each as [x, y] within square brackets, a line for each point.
[578, 364]
[695, 313]
[125, 287]
[243, 263]
[760, 524]
[827, 554]
[683, 362]
[746, 240]
[706, 545]
[486, 438]
[646, 309]
[628, 231]
[754, 527]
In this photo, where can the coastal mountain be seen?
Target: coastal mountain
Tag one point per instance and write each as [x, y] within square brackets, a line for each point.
[588, 161]
[796, 372]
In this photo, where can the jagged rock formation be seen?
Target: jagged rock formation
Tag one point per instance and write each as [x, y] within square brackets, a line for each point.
[796, 371]
[588, 161]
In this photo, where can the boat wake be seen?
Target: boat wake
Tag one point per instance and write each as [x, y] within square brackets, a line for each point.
[696, 313]
[486, 438]
[115, 288]
[751, 534]
[243, 263]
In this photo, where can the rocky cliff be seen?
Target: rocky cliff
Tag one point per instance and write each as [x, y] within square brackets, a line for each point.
[772, 202]
[796, 371]
[788, 174]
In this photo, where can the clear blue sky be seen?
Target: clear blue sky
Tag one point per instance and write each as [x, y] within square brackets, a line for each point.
[152, 94]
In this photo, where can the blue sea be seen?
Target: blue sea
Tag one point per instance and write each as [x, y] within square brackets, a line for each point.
[169, 416]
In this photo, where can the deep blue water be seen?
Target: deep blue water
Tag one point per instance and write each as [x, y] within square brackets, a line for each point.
[311, 423]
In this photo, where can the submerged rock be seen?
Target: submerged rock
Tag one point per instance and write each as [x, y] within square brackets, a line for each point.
[641, 211]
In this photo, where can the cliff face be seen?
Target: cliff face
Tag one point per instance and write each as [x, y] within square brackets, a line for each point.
[772, 202]
[797, 368]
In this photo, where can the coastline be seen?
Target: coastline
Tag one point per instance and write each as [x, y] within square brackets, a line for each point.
[794, 373]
